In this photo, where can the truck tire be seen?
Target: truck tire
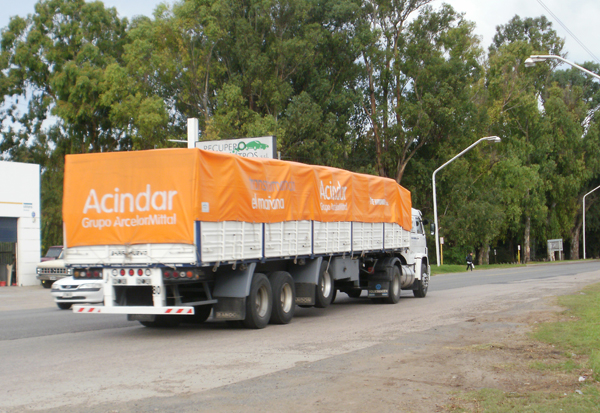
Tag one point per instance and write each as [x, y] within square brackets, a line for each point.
[47, 283]
[284, 297]
[325, 287]
[259, 303]
[423, 283]
[395, 287]
[64, 306]
[201, 314]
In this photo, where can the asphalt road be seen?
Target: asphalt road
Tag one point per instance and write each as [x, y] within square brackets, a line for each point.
[503, 276]
[54, 360]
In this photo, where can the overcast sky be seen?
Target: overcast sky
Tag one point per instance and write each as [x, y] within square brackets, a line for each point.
[581, 17]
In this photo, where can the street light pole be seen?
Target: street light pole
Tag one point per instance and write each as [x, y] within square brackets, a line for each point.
[437, 235]
[584, 219]
[533, 59]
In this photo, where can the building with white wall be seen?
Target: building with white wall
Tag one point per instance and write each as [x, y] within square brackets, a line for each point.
[19, 221]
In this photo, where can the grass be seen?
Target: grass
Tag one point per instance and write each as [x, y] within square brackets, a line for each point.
[579, 332]
[497, 401]
[577, 336]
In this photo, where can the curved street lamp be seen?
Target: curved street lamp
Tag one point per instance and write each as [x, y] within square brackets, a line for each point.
[437, 236]
[584, 219]
[533, 59]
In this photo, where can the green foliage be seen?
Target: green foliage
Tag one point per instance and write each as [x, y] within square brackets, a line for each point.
[66, 60]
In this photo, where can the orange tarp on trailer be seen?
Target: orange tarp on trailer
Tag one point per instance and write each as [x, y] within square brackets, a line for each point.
[155, 196]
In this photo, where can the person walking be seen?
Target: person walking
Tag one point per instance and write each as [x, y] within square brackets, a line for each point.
[470, 261]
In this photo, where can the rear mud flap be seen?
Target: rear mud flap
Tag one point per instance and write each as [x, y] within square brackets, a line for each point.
[305, 294]
[230, 308]
[379, 288]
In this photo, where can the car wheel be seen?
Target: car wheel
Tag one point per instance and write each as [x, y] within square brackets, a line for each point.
[64, 306]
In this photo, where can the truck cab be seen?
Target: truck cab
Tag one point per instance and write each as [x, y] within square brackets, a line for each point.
[418, 241]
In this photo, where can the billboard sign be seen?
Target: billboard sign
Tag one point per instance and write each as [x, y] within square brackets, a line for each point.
[263, 147]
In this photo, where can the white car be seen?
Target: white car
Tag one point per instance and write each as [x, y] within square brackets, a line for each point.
[68, 291]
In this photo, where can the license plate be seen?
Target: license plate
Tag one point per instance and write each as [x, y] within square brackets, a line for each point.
[67, 295]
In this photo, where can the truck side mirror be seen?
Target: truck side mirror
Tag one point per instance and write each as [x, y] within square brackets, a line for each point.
[432, 226]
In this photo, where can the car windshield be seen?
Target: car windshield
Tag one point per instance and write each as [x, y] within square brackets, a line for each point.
[54, 252]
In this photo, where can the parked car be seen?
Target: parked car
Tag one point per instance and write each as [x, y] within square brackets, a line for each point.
[52, 270]
[69, 290]
[53, 253]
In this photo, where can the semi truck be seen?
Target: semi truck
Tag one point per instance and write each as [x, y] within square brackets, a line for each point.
[176, 235]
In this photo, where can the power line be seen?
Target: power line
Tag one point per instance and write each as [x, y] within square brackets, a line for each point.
[568, 31]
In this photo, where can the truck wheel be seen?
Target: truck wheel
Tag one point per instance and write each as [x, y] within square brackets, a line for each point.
[394, 288]
[64, 306]
[325, 287]
[423, 283]
[162, 321]
[201, 314]
[46, 283]
[284, 297]
[259, 303]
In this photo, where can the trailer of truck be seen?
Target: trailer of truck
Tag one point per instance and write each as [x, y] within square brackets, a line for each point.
[179, 234]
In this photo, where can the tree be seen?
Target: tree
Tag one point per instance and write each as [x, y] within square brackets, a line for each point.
[66, 62]
[417, 78]
[515, 117]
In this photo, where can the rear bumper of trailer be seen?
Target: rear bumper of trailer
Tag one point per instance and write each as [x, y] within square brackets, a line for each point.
[100, 309]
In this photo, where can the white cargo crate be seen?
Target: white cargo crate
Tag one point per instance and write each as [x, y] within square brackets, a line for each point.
[396, 237]
[288, 239]
[367, 236]
[332, 237]
[230, 241]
